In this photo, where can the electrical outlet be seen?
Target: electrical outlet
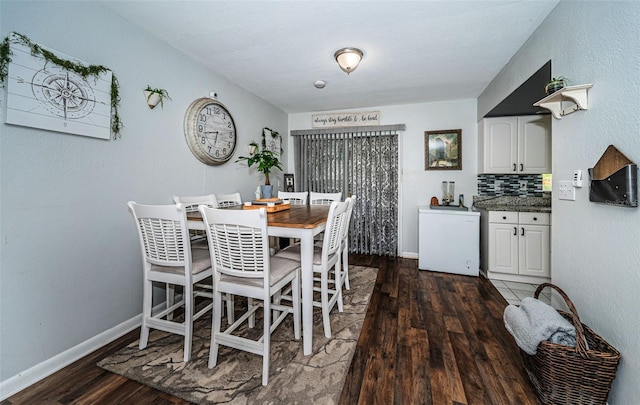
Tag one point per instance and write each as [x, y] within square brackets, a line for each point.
[523, 185]
[567, 191]
[499, 185]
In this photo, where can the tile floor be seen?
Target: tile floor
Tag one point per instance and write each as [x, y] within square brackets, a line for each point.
[514, 292]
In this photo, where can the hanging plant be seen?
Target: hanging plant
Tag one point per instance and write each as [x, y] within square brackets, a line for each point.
[155, 96]
[74, 66]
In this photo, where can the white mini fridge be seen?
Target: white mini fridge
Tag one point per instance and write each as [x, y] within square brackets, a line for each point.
[449, 241]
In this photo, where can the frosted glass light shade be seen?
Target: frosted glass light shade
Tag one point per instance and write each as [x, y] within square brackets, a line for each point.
[348, 58]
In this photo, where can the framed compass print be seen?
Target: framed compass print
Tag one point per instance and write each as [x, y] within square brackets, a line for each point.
[41, 94]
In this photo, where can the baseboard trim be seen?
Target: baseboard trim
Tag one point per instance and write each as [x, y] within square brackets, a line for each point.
[28, 377]
[410, 255]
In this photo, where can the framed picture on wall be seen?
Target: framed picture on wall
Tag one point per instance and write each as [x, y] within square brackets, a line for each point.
[443, 150]
[272, 141]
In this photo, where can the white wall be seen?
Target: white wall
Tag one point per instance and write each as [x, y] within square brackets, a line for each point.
[70, 259]
[595, 248]
[417, 185]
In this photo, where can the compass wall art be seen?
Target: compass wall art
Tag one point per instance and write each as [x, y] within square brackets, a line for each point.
[41, 94]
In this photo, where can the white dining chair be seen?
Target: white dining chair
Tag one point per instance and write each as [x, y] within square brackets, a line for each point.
[295, 198]
[167, 258]
[326, 259]
[229, 200]
[239, 247]
[198, 237]
[199, 240]
[316, 198]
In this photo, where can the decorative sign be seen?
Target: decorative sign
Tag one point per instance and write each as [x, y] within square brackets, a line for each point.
[332, 120]
[41, 94]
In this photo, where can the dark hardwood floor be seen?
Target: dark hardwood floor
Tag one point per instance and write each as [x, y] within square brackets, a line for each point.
[428, 338]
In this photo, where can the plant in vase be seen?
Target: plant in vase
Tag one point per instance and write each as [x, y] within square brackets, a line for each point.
[264, 161]
[555, 84]
[155, 96]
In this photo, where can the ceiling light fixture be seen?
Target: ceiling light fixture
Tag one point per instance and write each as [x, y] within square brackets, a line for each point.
[348, 58]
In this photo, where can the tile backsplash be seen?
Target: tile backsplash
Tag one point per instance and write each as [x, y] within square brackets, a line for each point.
[509, 184]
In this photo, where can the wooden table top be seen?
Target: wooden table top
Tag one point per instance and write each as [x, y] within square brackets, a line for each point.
[298, 216]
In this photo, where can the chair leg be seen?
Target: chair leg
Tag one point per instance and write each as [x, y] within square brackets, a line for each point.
[345, 266]
[266, 342]
[170, 290]
[338, 286]
[187, 292]
[147, 303]
[324, 299]
[295, 297]
[215, 329]
[231, 310]
[252, 317]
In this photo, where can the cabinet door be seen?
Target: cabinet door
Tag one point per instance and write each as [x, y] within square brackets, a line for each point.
[534, 250]
[534, 144]
[500, 152]
[503, 248]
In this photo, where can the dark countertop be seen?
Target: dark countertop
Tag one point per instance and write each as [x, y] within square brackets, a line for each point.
[511, 203]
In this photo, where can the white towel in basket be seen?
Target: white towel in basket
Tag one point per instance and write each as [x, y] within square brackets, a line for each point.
[534, 321]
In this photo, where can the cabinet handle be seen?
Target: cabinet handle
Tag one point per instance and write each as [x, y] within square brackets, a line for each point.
[515, 231]
[522, 233]
[514, 167]
[504, 217]
[521, 167]
[535, 218]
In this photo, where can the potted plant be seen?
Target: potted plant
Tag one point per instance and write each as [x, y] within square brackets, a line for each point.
[264, 160]
[555, 84]
[155, 96]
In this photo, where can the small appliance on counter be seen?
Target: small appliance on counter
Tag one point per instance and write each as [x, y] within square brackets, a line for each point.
[448, 193]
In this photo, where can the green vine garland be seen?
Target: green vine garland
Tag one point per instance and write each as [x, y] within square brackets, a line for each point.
[80, 69]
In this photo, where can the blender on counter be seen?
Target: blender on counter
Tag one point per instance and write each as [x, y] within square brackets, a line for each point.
[448, 192]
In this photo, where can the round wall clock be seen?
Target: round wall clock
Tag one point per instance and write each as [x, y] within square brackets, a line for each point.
[210, 131]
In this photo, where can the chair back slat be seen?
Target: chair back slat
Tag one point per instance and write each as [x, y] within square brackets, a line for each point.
[191, 203]
[238, 241]
[163, 233]
[295, 198]
[334, 228]
[316, 198]
[228, 200]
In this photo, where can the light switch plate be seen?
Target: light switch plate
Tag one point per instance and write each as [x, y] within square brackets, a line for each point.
[567, 191]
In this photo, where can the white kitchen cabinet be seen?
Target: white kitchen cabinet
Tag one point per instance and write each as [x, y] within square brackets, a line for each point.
[517, 246]
[515, 145]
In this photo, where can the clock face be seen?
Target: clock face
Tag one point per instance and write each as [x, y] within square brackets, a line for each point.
[210, 131]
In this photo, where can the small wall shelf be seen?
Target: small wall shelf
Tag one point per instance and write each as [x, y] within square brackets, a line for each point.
[576, 94]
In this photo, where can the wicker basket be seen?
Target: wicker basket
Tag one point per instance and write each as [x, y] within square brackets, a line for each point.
[566, 375]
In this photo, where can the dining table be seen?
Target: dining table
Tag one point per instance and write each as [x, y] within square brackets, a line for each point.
[302, 222]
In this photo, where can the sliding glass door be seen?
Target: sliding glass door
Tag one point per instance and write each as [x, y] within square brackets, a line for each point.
[361, 162]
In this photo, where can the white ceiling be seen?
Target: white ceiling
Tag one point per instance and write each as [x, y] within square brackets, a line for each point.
[414, 51]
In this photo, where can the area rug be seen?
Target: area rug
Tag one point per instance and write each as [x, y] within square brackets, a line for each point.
[236, 379]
